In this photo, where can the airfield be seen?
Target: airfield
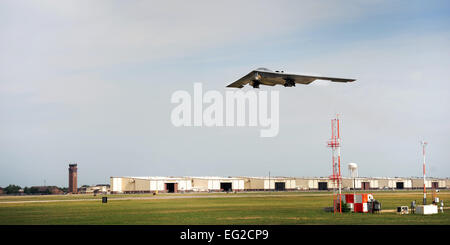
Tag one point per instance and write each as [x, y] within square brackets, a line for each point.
[255, 208]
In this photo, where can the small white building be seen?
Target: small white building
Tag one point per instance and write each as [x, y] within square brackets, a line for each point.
[100, 189]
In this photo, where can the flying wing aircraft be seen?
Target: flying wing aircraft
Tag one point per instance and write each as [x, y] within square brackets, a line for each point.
[267, 77]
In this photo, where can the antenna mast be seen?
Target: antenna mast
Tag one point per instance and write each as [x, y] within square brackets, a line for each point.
[335, 144]
[424, 145]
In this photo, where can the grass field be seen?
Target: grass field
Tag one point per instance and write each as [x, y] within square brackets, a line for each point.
[218, 208]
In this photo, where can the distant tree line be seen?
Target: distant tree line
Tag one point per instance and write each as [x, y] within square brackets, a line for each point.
[15, 189]
[35, 190]
[12, 189]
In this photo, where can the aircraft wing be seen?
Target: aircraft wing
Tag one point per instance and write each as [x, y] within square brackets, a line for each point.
[302, 79]
[243, 80]
[270, 78]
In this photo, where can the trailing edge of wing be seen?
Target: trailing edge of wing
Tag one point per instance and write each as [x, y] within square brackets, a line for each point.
[334, 79]
[309, 79]
[303, 79]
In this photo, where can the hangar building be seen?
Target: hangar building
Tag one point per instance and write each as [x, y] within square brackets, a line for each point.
[269, 183]
[315, 183]
[429, 183]
[217, 184]
[150, 184]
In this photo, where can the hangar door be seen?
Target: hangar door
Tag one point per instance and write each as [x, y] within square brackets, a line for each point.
[399, 185]
[435, 185]
[171, 187]
[365, 185]
[323, 186]
[226, 186]
[280, 186]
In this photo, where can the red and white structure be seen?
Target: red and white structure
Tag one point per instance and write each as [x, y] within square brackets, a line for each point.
[424, 145]
[335, 144]
[358, 203]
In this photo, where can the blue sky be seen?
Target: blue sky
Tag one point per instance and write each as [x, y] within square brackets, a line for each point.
[90, 82]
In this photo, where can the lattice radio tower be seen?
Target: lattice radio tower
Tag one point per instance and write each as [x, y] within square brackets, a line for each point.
[335, 144]
[424, 145]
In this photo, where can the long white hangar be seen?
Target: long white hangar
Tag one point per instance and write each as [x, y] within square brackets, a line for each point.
[150, 184]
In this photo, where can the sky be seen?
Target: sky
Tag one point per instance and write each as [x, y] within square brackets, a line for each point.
[91, 81]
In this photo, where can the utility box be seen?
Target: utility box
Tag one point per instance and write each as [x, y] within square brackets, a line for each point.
[427, 209]
[374, 206]
[104, 199]
[402, 210]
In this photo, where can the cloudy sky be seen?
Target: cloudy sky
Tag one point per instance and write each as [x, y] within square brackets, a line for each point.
[91, 81]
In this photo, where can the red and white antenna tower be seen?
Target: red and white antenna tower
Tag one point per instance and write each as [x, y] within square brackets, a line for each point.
[335, 144]
[424, 145]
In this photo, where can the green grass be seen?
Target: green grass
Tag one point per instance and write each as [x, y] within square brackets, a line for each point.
[99, 196]
[294, 208]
